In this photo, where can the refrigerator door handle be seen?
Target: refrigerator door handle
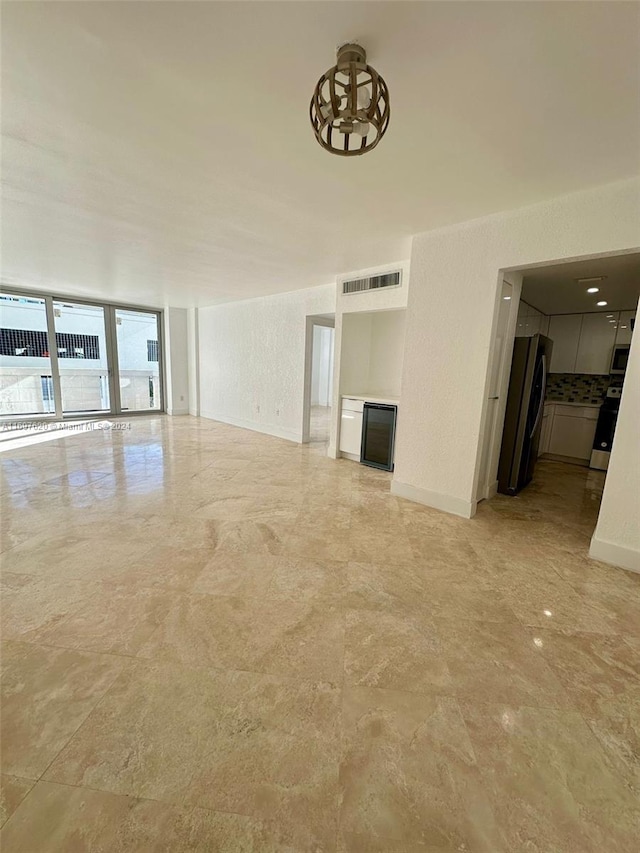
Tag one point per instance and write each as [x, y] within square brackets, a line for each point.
[542, 395]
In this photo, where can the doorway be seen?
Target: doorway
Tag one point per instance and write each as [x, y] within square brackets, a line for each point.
[318, 392]
[583, 313]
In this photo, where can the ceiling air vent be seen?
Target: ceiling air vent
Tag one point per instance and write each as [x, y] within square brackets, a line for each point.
[373, 282]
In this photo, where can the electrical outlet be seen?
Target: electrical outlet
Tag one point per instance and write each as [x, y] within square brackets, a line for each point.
[258, 409]
[277, 413]
[182, 398]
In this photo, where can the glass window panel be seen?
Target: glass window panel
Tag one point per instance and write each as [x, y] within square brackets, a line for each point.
[138, 364]
[25, 366]
[82, 357]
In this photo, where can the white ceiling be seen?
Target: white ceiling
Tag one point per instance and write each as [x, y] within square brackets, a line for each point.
[162, 152]
[554, 289]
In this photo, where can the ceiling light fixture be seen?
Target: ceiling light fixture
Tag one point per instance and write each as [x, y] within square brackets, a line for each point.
[593, 289]
[592, 278]
[350, 105]
[601, 304]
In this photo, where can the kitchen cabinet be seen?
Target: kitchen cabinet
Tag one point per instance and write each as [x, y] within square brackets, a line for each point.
[351, 426]
[597, 337]
[544, 325]
[624, 330]
[530, 321]
[564, 331]
[571, 431]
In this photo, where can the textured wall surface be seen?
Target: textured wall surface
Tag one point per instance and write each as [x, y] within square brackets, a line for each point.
[454, 281]
[619, 519]
[176, 352]
[252, 359]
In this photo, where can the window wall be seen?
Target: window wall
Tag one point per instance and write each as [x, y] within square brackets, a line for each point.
[25, 363]
[62, 358]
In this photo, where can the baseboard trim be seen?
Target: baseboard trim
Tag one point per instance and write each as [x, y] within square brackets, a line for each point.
[352, 456]
[615, 555]
[446, 503]
[174, 412]
[266, 429]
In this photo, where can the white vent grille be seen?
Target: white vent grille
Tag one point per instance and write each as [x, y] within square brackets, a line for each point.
[374, 282]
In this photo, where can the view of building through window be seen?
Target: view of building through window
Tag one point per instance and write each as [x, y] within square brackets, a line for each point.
[139, 373]
[25, 363]
[86, 353]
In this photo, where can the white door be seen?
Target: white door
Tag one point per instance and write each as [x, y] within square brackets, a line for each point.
[498, 385]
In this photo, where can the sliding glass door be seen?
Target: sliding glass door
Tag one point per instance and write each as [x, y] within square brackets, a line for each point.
[64, 358]
[81, 343]
[138, 360]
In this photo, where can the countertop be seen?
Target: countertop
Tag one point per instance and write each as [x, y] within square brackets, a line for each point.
[369, 398]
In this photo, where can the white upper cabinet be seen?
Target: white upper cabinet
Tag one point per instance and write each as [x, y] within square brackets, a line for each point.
[597, 338]
[564, 331]
[530, 321]
[624, 330]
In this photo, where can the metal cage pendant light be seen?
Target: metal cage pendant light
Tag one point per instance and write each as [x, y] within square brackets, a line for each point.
[350, 105]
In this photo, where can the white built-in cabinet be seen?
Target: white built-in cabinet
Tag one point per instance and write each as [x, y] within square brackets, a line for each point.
[595, 348]
[564, 331]
[568, 431]
[583, 343]
[351, 426]
[624, 330]
[530, 321]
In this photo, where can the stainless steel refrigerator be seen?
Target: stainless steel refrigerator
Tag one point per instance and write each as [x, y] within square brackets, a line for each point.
[523, 416]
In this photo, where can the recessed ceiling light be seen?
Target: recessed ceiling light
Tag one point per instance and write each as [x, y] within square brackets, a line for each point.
[601, 304]
[593, 289]
[590, 279]
[609, 316]
[506, 297]
[623, 327]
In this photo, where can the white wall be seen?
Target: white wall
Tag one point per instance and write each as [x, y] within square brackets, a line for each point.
[387, 352]
[617, 535]
[176, 353]
[252, 359]
[454, 281]
[193, 361]
[372, 353]
[355, 353]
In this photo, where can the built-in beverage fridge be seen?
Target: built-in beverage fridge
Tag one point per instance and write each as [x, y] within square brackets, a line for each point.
[378, 435]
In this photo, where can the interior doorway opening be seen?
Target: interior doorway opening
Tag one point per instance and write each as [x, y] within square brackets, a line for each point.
[319, 369]
[582, 314]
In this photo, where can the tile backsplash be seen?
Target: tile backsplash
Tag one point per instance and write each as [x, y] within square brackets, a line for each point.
[579, 387]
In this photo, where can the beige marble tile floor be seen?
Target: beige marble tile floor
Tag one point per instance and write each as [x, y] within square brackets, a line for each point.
[216, 640]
